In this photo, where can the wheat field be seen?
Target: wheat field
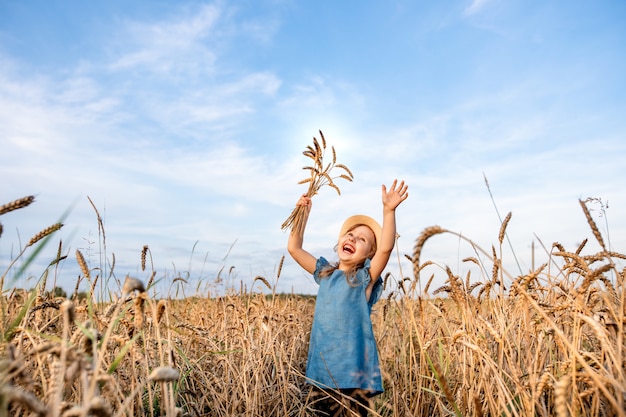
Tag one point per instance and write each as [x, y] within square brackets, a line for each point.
[547, 343]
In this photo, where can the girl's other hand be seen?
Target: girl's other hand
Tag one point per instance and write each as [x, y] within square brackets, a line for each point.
[397, 194]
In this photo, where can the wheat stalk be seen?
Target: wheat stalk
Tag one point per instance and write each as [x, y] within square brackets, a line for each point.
[17, 204]
[419, 245]
[144, 251]
[83, 264]
[15, 394]
[280, 266]
[552, 345]
[505, 222]
[320, 175]
[42, 234]
[561, 389]
[45, 232]
[592, 224]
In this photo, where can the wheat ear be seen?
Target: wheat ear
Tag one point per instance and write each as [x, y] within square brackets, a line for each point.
[592, 224]
[320, 175]
[419, 245]
[45, 232]
[17, 204]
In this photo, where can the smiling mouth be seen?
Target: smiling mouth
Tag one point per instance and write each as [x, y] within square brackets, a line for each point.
[348, 249]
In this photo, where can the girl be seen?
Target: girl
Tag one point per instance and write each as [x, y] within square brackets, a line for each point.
[342, 361]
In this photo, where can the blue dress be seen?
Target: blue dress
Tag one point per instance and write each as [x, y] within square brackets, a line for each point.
[342, 349]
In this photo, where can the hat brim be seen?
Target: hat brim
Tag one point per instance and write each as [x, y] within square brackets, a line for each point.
[358, 219]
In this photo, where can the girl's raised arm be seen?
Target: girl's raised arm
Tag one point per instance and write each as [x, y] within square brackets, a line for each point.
[294, 245]
[391, 199]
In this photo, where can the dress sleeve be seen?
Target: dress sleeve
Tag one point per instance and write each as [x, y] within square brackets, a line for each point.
[319, 266]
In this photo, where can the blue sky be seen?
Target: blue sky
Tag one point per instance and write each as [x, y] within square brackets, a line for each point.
[184, 122]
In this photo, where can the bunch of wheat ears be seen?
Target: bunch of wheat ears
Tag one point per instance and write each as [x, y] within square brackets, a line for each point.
[320, 176]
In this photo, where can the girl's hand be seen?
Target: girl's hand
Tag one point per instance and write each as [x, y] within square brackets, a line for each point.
[305, 202]
[396, 195]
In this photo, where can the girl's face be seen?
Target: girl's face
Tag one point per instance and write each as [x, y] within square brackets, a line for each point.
[355, 246]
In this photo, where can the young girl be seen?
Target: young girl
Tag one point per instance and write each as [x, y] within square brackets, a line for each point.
[342, 362]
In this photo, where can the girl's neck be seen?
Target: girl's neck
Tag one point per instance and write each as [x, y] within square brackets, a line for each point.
[348, 266]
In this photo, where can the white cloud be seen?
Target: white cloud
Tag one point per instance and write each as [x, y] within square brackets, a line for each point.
[476, 7]
[180, 143]
[166, 47]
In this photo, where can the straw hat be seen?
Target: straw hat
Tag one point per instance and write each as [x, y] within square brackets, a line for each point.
[358, 219]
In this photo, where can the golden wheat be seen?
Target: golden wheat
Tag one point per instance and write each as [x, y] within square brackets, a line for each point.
[592, 224]
[561, 391]
[139, 315]
[144, 251]
[419, 245]
[45, 232]
[552, 345]
[266, 338]
[505, 223]
[280, 266]
[16, 204]
[319, 176]
[82, 264]
[132, 284]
